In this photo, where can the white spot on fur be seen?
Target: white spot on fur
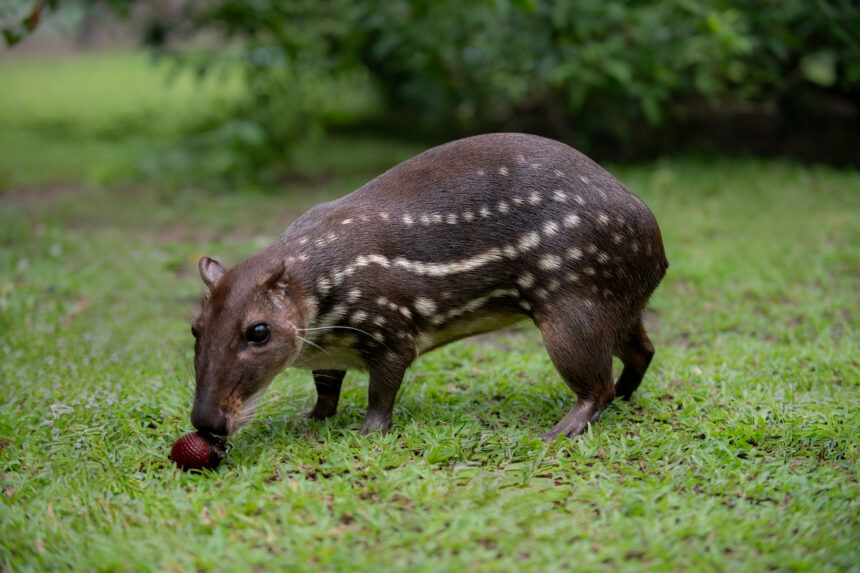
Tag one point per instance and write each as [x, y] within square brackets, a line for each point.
[346, 222]
[379, 260]
[584, 179]
[337, 277]
[425, 306]
[529, 241]
[517, 201]
[405, 311]
[534, 198]
[553, 285]
[481, 172]
[559, 195]
[572, 277]
[378, 320]
[364, 219]
[358, 317]
[382, 301]
[603, 219]
[451, 219]
[353, 295]
[469, 216]
[425, 219]
[379, 337]
[534, 165]
[602, 258]
[542, 293]
[521, 158]
[617, 238]
[550, 228]
[558, 173]
[503, 171]
[304, 241]
[304, 257]
[334, 316]
[324, 286]
[574, 253]
[525, 305]
[571, 221]
[589, 271]
[526, 280]
[485, 211]
[635, 246]
[550, 262]
[503, 207]
[436, 218]
[579, 200]
[408, 219]
[384, 216]
[592, 248]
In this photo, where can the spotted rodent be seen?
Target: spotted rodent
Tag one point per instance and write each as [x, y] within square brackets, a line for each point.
[465, 238]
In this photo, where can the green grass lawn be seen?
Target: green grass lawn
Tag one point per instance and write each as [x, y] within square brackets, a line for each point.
[739, 452]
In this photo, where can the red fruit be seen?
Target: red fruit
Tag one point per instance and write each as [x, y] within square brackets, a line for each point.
[194, 452]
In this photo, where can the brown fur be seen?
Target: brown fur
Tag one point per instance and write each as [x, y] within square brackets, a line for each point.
[465, 238]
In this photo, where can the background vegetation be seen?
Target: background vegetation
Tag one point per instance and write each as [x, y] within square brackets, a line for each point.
[617, 79]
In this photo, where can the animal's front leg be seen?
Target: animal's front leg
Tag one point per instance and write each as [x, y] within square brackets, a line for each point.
[328, 383]
[385, 379]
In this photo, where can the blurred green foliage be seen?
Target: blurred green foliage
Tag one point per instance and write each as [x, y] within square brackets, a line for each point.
[587, 71]
[584, 70]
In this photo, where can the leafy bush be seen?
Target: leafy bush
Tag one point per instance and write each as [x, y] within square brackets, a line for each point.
[579, 68]
[584, 70]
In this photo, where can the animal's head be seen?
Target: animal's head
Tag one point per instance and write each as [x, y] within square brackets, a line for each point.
[245, 334]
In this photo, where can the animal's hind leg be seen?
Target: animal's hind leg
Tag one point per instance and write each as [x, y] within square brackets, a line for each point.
[635, 351]
[580, 346]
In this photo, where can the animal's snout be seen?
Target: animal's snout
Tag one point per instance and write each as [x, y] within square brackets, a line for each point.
[209, 418]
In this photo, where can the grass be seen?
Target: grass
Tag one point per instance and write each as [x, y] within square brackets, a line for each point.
[96, 118]
[741, 450]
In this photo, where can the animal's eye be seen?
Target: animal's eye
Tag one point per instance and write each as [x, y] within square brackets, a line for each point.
[258, 334]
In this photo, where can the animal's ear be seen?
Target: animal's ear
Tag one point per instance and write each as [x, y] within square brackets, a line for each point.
[277, 279]
[211, 271]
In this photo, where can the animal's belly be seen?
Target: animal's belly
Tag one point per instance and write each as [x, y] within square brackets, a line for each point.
[479, 323]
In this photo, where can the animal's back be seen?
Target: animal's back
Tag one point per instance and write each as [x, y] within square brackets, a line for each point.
[488, 214]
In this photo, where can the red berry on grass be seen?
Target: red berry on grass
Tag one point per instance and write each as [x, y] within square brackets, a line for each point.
[194, 452]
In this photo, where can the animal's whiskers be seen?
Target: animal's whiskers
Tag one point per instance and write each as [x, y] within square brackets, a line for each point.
[336, 327]
[339, 327]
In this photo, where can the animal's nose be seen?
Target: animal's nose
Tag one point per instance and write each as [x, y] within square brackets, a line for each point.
[210, 419]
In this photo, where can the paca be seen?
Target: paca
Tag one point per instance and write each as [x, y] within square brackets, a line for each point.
[465, 238]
